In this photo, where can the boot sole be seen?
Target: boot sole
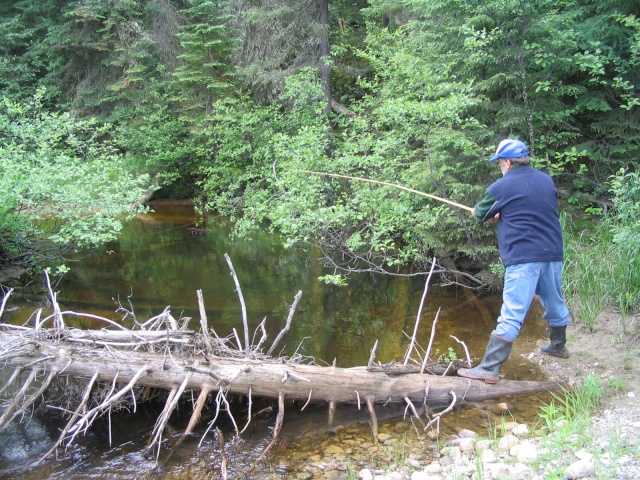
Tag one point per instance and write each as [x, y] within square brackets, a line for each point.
[566, 355]
[488, 380]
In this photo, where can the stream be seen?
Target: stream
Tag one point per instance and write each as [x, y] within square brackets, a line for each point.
[159, 263]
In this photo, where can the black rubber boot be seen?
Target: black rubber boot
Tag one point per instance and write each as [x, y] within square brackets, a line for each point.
[497, 352]
[557, 341]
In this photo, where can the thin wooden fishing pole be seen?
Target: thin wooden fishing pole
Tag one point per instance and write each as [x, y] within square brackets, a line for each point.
[428, 195]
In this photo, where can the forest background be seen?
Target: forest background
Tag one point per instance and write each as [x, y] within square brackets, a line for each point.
[106, 104]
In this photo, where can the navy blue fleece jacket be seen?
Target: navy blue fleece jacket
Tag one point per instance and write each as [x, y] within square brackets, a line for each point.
[529, 227]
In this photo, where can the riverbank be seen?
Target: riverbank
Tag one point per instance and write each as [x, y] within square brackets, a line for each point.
[600, 445]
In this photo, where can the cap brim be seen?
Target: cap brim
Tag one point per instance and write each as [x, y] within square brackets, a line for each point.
[494, 158]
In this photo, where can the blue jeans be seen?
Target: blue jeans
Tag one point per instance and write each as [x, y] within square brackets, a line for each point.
[521, 283]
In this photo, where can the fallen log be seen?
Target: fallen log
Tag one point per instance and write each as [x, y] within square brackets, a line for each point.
[184, 367]
[121, 365]
[308, 383]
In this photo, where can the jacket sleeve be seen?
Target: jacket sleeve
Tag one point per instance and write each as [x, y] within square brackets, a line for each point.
[483, 209]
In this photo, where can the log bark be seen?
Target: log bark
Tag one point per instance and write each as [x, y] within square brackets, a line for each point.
[264, 378]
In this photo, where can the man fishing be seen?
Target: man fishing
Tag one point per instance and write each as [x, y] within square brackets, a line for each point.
[524, 205]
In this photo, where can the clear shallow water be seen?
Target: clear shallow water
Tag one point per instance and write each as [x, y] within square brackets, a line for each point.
[158, 263]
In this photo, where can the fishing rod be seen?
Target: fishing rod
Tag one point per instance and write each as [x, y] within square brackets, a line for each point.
[428, 195]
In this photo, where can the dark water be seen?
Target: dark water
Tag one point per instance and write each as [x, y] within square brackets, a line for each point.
[157, 263]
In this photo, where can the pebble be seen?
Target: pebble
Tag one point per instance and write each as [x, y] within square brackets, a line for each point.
[510, 426]
[520, 430]
[465, 433]
[466, 444]
[423, 476]
[582, 455]
[433, 468]
[333, 450]
[580, 469]
[573, 438]
[610, 446]
[506, 442]
[525, 453]
[488, 456]
[483, 444]
[412, 463]
[365, 474]
[500, 408]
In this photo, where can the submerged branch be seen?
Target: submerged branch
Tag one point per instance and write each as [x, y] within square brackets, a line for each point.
[424, 296]
[282, 333]
[245, 323]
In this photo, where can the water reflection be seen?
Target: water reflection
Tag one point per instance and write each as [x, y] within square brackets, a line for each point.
[157, 263]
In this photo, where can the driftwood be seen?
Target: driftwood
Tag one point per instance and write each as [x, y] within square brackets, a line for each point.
[264, 378]
[163, 354]
[198, 231]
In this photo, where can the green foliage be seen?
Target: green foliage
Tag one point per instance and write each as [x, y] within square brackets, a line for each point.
[204, 73]
[117, 61]
[279, 38]
[603, 265]
[62, 184]
[557, 75]
[567, 427]
[585, 274]
[448, 357]
[426, 89]
[106, 54]
[624, 226]
[156, 140]
[400, 139]
[25, 59]
[337, 280]
[617, 386]
[570, 411]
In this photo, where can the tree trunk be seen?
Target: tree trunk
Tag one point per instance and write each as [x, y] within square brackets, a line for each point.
[325, 69]
[239, 375]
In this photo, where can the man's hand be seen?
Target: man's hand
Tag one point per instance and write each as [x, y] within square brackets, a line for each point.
[494, 219]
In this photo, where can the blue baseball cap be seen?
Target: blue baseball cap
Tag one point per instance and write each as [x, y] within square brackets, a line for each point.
[510, 148]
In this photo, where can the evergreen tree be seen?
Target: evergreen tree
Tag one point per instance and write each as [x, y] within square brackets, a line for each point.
[27, 61]
[236, 94]
[562, 76]
[204, 73]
